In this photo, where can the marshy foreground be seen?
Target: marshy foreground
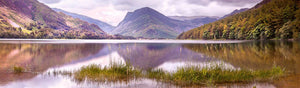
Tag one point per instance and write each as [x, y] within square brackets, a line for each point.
[185, 76]
[246, 64]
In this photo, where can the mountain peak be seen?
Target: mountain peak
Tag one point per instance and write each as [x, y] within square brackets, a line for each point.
[146, 10]
[143, 12]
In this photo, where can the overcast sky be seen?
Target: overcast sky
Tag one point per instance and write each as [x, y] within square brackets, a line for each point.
[113, 11]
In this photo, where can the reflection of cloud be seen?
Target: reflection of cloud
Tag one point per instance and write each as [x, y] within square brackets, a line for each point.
[117, 9]
[106, 60]
[174, 66]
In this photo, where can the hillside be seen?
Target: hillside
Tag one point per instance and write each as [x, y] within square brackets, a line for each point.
[148, 23]
[268, 20]
[104, 26]
[32, 19]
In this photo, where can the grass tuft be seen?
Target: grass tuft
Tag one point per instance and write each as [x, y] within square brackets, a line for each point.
[112, 73]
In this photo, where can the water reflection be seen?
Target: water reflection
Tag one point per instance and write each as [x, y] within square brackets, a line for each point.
[148, 56]
[48, 57]
[258, 55]
[254, 55]
[40, 57]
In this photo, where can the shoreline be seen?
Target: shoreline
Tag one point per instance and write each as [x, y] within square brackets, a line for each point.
[120, 41]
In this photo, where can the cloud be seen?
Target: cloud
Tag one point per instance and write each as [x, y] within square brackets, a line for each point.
[200, 2]
[113, 11]
[237, 2]
[50, 1]
[223, 2]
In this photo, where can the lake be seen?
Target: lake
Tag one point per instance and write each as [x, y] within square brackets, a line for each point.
[41, 58]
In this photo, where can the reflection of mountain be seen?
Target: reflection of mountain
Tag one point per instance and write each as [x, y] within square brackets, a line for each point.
[255, 55]
[147, 56]
[40, 57]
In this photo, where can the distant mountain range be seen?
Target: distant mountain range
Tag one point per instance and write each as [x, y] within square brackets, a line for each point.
[32, 19]
[149, 23]
[269, 19]
[196, 20]
[104, 26]
[236, 11]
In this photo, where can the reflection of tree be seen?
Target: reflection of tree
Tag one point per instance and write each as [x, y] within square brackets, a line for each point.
[40, 57]
[254, 55]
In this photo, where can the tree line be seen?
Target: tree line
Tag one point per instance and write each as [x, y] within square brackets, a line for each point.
[278, 19]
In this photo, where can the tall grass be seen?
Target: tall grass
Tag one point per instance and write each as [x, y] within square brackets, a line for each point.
[204, 76]
[185, 76]
[114, 72]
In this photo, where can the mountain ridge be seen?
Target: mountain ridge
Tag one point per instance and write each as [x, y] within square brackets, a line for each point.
[32, 19]
[149, 23]
[196, 20]
[236, 11]
[104, 26]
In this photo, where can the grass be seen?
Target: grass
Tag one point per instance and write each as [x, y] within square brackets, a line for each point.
[186, 76]
[214, 75]
[111, 73]
[17, 69]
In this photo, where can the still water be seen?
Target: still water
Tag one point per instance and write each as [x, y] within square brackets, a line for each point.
[41, 57]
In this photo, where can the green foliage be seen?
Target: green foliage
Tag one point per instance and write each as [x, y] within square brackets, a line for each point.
[286, 31]
[276, 19]
[231, 35]
[158, 74]
[17, 69]
[206, 35]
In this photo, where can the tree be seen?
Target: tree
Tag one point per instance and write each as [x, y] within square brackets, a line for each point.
[206, 35]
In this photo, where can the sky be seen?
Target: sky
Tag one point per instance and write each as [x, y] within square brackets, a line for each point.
[113, 11]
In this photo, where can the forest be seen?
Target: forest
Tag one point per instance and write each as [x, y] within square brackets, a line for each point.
[277, 19]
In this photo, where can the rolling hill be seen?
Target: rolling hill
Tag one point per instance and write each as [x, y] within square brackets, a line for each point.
[32, 19]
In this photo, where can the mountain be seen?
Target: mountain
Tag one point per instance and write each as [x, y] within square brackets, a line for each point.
[196, 20]
[148, 23]
[32, 19]
[270, 19]
[104, 26]
[236, 11]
